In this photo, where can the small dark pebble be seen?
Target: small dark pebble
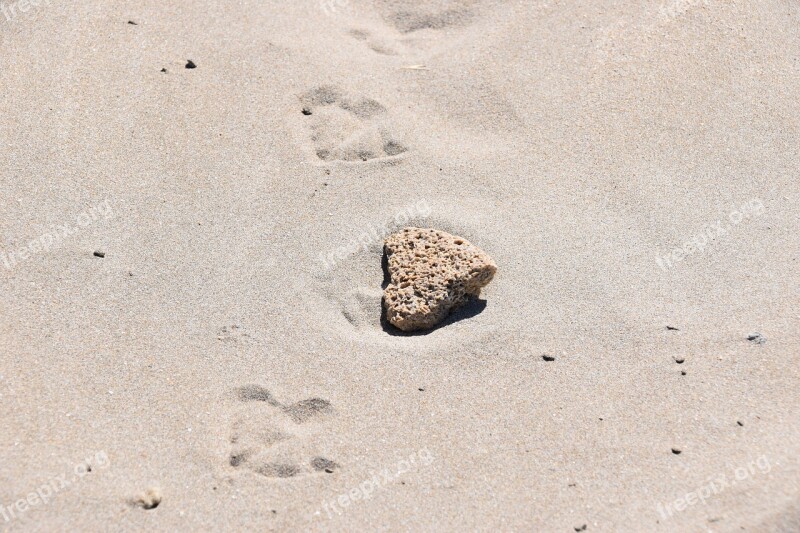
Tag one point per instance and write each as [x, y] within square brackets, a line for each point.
[190, 64]
[98, 253]
[164, 70]
[548, 358]
[581, 528]
[676, 451]
[670, 328]
[306, 111]
[683, 372]
[738, 422]
[421, 390]
[679, 360]
[132, 23]
[756, 338]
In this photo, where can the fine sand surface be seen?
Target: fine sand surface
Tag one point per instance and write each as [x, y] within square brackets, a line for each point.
[227, 355]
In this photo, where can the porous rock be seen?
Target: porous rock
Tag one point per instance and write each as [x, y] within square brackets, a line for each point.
[432, 273]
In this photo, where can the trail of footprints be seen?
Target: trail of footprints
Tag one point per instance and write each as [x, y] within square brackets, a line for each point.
[353, 128]
[264, 436]
[267, 436]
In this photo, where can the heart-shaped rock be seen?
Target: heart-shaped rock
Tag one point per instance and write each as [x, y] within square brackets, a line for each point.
[432, 273]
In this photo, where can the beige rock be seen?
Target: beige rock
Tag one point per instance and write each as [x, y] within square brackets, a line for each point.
[432, 273]
[150, 499]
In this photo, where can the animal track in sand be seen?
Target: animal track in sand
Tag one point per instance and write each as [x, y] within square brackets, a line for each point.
[376, 44]
[264, 436]
[410, 28]
[408, 16]
[347, 128]
[410, 21]
[233, 334]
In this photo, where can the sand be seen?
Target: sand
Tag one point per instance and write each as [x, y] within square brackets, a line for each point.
[630, 167]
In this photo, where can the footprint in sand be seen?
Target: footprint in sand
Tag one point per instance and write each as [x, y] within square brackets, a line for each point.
[413, 18]
[233, 334]
[404, 24]
[348, 128]
[377, 44]
[274, 439]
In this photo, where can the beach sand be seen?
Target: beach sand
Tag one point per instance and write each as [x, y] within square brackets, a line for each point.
[191, 273]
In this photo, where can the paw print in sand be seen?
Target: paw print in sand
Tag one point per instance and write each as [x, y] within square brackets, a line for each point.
[274, 439]
[233, 334]
[348, 128]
